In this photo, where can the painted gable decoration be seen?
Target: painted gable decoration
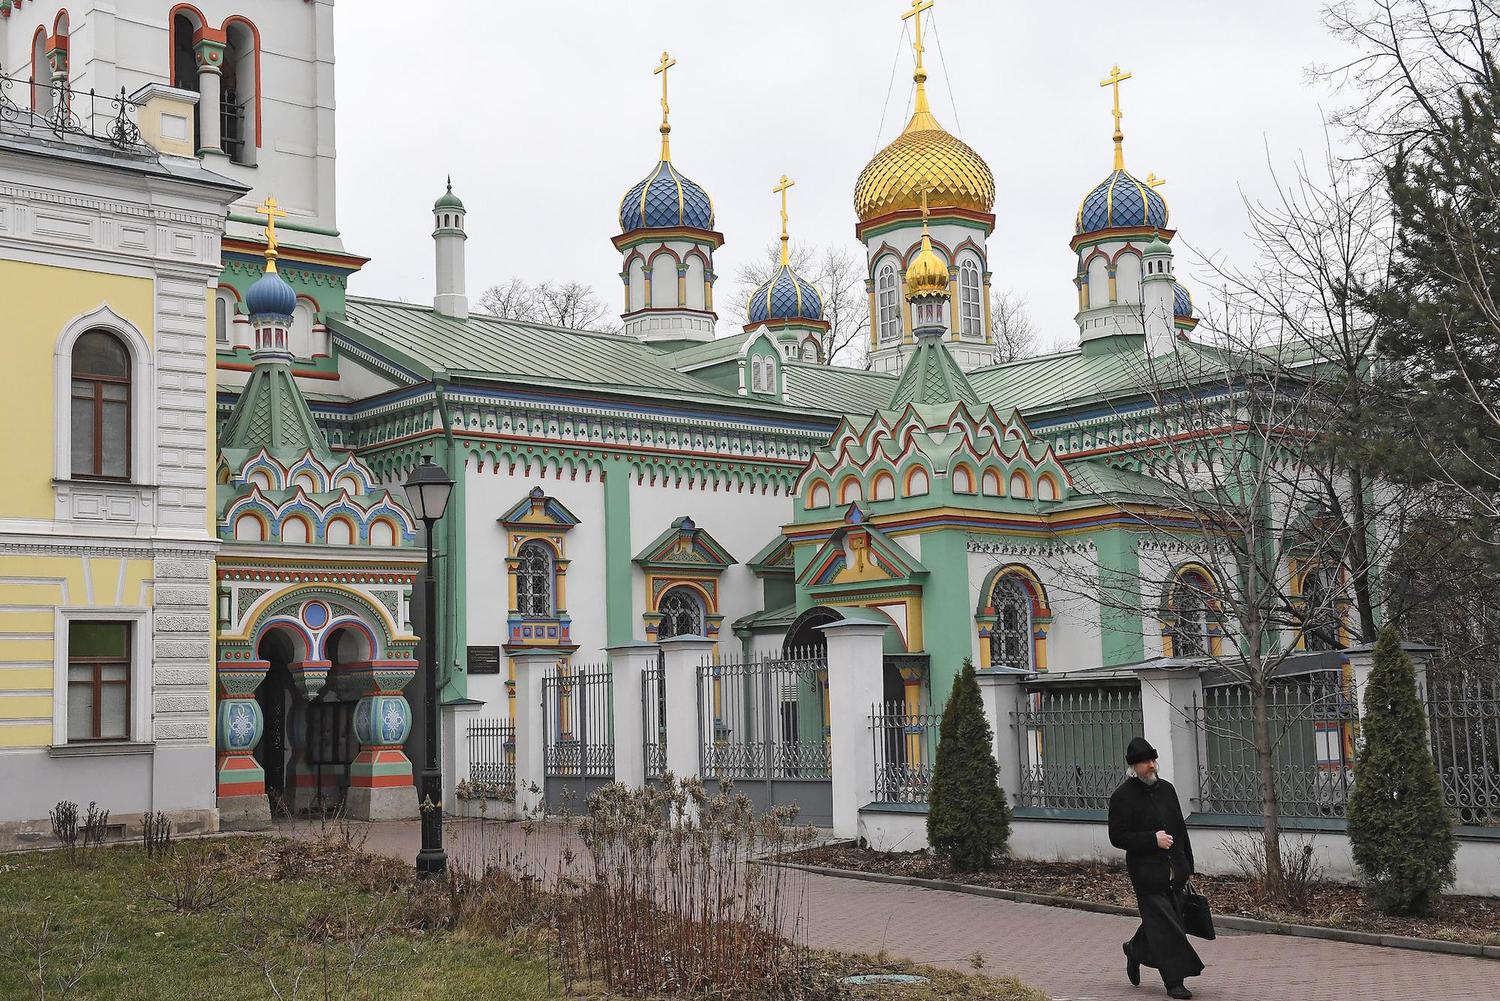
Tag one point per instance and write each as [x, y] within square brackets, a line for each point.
[859, 557]
[775, 560]
[538, 511]
[685, 546]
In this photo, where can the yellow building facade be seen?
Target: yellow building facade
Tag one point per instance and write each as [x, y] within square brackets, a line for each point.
[108, 257]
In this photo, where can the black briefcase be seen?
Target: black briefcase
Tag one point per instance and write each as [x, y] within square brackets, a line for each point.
[1197, 920]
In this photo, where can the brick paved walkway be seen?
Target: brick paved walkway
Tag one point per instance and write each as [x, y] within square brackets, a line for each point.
[1072, 955]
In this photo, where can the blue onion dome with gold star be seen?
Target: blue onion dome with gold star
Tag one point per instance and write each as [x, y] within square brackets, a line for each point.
[270, 295]
[1182, 302]
[785, 296]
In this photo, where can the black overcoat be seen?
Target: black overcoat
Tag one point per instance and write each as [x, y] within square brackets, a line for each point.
[1136, 812]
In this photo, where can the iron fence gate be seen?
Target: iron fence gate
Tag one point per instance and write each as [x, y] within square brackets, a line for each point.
[654, 722]
[1312, 722]
[1463, 711]
[905, 745]
[492, 758]
[579, 754]
[763, 725]
[1072, 741]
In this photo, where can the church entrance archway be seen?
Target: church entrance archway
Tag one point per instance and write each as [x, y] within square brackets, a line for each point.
[278, 700]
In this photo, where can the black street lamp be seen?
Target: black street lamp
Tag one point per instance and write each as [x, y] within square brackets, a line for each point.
[427, 490]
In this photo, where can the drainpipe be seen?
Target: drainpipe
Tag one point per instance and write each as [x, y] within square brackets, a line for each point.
[451, 536]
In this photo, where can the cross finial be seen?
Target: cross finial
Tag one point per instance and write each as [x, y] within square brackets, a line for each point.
[781, 189]
[918, 7]
[924, 211]
[1114, 80]
[272, 212]
[1152, 181]
[667, 62]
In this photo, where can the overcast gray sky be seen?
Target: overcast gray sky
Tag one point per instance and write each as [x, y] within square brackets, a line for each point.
[545, 113]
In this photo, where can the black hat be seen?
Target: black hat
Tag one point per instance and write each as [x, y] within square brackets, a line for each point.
[1139, 751]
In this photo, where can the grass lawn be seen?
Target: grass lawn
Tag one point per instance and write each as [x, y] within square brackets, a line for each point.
[276, 919]
[147, 952]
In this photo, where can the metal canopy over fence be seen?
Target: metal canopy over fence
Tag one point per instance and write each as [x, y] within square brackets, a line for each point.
[1312, 723]
[492, 757]
[763, 725]
[1071, 741]
[1463, 711]
[579, 752]
[905, 747]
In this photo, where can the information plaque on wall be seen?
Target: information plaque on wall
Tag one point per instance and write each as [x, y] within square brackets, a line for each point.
[484, 660]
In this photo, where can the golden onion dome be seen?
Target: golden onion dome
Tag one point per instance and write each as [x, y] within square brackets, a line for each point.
[925, 157]
[926, 274]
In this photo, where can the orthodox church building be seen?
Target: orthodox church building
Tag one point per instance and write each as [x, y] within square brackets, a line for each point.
[663, 482]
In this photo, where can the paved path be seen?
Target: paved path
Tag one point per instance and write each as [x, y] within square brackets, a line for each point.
[1072, 955]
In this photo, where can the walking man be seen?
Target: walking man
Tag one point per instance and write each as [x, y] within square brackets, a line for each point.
[1145, 820]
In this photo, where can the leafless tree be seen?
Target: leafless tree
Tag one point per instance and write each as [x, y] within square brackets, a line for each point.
[1226, 472]
[1010, 319]
[1412, 59]
[839, 277]
[561, 304]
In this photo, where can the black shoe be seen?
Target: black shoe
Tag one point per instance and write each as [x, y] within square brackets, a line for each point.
[1178, 991]
[1132, 968]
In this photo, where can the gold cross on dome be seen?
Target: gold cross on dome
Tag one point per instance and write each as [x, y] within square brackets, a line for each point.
[781, 190]
[916, 11]
[1152, 181]
[1114, 80]
[667, 62]
[272, 212]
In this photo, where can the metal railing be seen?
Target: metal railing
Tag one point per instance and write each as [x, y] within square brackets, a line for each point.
[905, 746]
[1071, 741]
[492, 754]
[764, 717]
[654, 720]
[28, 105]
[1463, 711]
[1312, 724]
[578, 705]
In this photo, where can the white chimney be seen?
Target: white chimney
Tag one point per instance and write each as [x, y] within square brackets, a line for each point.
[448, 235]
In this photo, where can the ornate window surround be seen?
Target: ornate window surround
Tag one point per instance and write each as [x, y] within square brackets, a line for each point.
[986, 617]
[683, 556]
[127, 502]
[537, 520]
[1212, 613]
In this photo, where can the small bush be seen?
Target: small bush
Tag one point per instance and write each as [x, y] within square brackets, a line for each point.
[193, 881]
[968, 820]
[156, 835]
[1399, 826]
[1301, 872]
[64, 817]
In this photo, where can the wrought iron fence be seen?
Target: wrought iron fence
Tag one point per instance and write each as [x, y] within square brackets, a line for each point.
[905, 745]
[1463, 711]
[578, 709]
[492, 754]
[38, 105]
[1071, 743]
[654, 720]
[1312, 725]
[764, 717]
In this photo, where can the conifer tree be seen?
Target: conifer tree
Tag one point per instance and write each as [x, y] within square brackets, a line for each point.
[1400, 829]
[968, 821]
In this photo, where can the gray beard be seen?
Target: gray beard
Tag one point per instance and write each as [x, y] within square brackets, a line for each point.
[1150, 779]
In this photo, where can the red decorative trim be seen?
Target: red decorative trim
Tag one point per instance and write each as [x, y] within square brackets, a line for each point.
[235, 366]
[860, 229]
[709, 236]
[296, 254]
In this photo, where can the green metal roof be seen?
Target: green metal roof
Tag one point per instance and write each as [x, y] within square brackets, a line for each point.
[835, 387]
[488, 346]
[1071, 378]
[272, 414]
[719, 349]
[932, 376]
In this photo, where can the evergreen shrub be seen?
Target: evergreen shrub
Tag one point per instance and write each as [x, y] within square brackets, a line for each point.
[968, 821]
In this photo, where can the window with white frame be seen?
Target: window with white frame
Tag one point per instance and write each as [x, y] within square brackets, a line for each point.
[887, 304]
[970, 310]
[100, 423]
[223, 316]
[99, 674]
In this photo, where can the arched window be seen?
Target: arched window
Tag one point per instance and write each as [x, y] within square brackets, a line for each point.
[300, 336]
[990, 483]
[883, 488]
[101, 407]
[664, 282]
[809, 352]
[339, 533]
[239, 91]
[971, 314]
[681, 613]
[41, 74]
[534, 580]
[963, 480]
[887, 304]
[294, 529]
[1010, 642]
[849, 491]
[917, 483]
[223, 316]
[818, 497]
[1189, 615]
[382, 533]
[1046, 488]
[1320, 614]
[1020, 486]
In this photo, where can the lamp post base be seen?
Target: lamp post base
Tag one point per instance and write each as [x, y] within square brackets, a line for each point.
[432, 860]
